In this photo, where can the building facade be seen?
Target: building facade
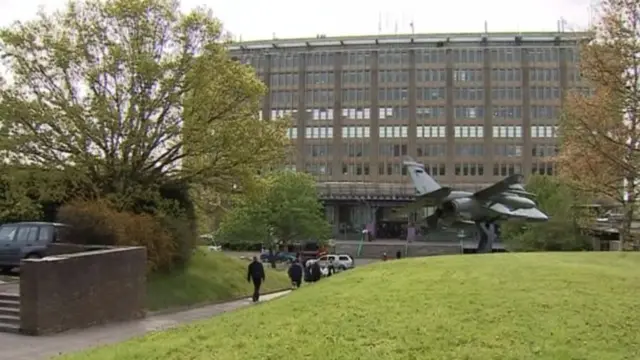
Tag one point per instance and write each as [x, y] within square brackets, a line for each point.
[473, 108]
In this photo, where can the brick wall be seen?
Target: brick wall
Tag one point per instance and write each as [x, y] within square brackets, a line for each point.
[81, 289]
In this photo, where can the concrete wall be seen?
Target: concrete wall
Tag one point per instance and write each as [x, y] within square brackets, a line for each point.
[67, 248]
[375, 251]
[78, 290]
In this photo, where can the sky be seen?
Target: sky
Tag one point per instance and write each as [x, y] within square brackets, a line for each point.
[257, 19]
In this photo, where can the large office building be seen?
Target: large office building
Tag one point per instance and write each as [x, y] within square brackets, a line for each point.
[473, 108]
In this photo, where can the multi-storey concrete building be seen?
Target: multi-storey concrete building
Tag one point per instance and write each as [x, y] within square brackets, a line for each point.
[473, 108]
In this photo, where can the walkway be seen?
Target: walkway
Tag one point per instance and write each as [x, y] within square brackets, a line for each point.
[21, 347]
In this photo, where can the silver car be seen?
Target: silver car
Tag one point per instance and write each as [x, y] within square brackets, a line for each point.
[340, 262]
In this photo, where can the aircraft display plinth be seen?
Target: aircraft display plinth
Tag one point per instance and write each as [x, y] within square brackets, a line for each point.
[486, 236]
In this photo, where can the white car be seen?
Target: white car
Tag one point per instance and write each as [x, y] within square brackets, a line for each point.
[340, 262]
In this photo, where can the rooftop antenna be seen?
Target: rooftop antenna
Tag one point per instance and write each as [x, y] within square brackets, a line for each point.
[486, 27]
[413, 30]
[396, 27]
[274, 36]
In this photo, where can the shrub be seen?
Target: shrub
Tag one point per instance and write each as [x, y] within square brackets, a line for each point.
[97, 223]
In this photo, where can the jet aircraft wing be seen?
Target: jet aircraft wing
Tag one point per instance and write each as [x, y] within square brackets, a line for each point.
[431, 199]
[498, 188]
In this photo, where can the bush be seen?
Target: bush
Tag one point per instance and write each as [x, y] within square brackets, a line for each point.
[97, 223]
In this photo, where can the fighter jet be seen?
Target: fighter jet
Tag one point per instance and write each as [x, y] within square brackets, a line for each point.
[504, 200]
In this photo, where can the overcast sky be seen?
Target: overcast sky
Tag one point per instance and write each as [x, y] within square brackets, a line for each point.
[258, 19]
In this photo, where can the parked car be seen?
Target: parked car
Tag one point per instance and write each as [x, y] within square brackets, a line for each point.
[281, 256]
[341, 262]
[27, 240]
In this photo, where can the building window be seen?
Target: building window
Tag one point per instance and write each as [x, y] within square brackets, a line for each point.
[468, 75]
[393, 131]
[396, 112]
[430, 93]
[506, 93]
[544, 92]
[507, 131]
[357, 113]
[356, 132]
[507, 150]
[468, 131]
[544, 131]
[280, 113]
[506, 75]
[320, 114]
[431, 75]
[393, 150]
[469, 112]
[320, 132]
[292, 133]
[431, 131]
[470, 149]
[465, 93]
[431, 112]
[507, 112]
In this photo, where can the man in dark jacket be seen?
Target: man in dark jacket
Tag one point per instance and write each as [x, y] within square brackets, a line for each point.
[316, 272]
[295, 274]
[255, 273]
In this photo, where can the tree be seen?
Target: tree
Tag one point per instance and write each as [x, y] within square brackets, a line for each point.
[563, 231]
[283, 210]
[125, 96]
[600, 131]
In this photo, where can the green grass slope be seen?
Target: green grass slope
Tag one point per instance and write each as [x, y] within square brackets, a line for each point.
[501, 306]
[210, 277]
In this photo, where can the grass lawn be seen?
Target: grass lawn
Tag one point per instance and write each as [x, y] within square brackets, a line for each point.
[551, 306]
[210, 277]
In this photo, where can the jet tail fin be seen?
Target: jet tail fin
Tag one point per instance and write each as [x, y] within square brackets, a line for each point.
[424, 183]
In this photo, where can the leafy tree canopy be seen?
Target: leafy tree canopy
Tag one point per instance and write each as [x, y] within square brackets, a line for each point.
[562, 231]
[283, 210]
[600, 129]
[124, 96]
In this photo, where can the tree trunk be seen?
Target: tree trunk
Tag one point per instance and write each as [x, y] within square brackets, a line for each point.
[626, 239]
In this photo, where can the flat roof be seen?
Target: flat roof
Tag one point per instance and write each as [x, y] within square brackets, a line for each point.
[416, 39]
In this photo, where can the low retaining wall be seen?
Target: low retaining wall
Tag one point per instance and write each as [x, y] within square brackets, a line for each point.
[80, 289]
[371, 250]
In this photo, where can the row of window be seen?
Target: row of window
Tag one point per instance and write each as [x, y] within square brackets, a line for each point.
[539, 150]
[422, 75]
[460, 169]
[468, 131]
[428, 150]
[423, 113]
[422, 94]
[469, 169]
[509, 131]
[424, 56]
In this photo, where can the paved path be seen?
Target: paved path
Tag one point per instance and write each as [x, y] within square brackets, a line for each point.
[22, 347]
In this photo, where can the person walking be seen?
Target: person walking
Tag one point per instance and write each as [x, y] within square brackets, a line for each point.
[295, 273]
[255, 273]
[316, 272]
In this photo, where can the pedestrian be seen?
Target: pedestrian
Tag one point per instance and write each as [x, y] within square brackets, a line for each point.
[331, 269]
[316, 272]
[272, 259]
[255, 273]
[398, 254]
[307, 272]
[384, 256]
[295, 273]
